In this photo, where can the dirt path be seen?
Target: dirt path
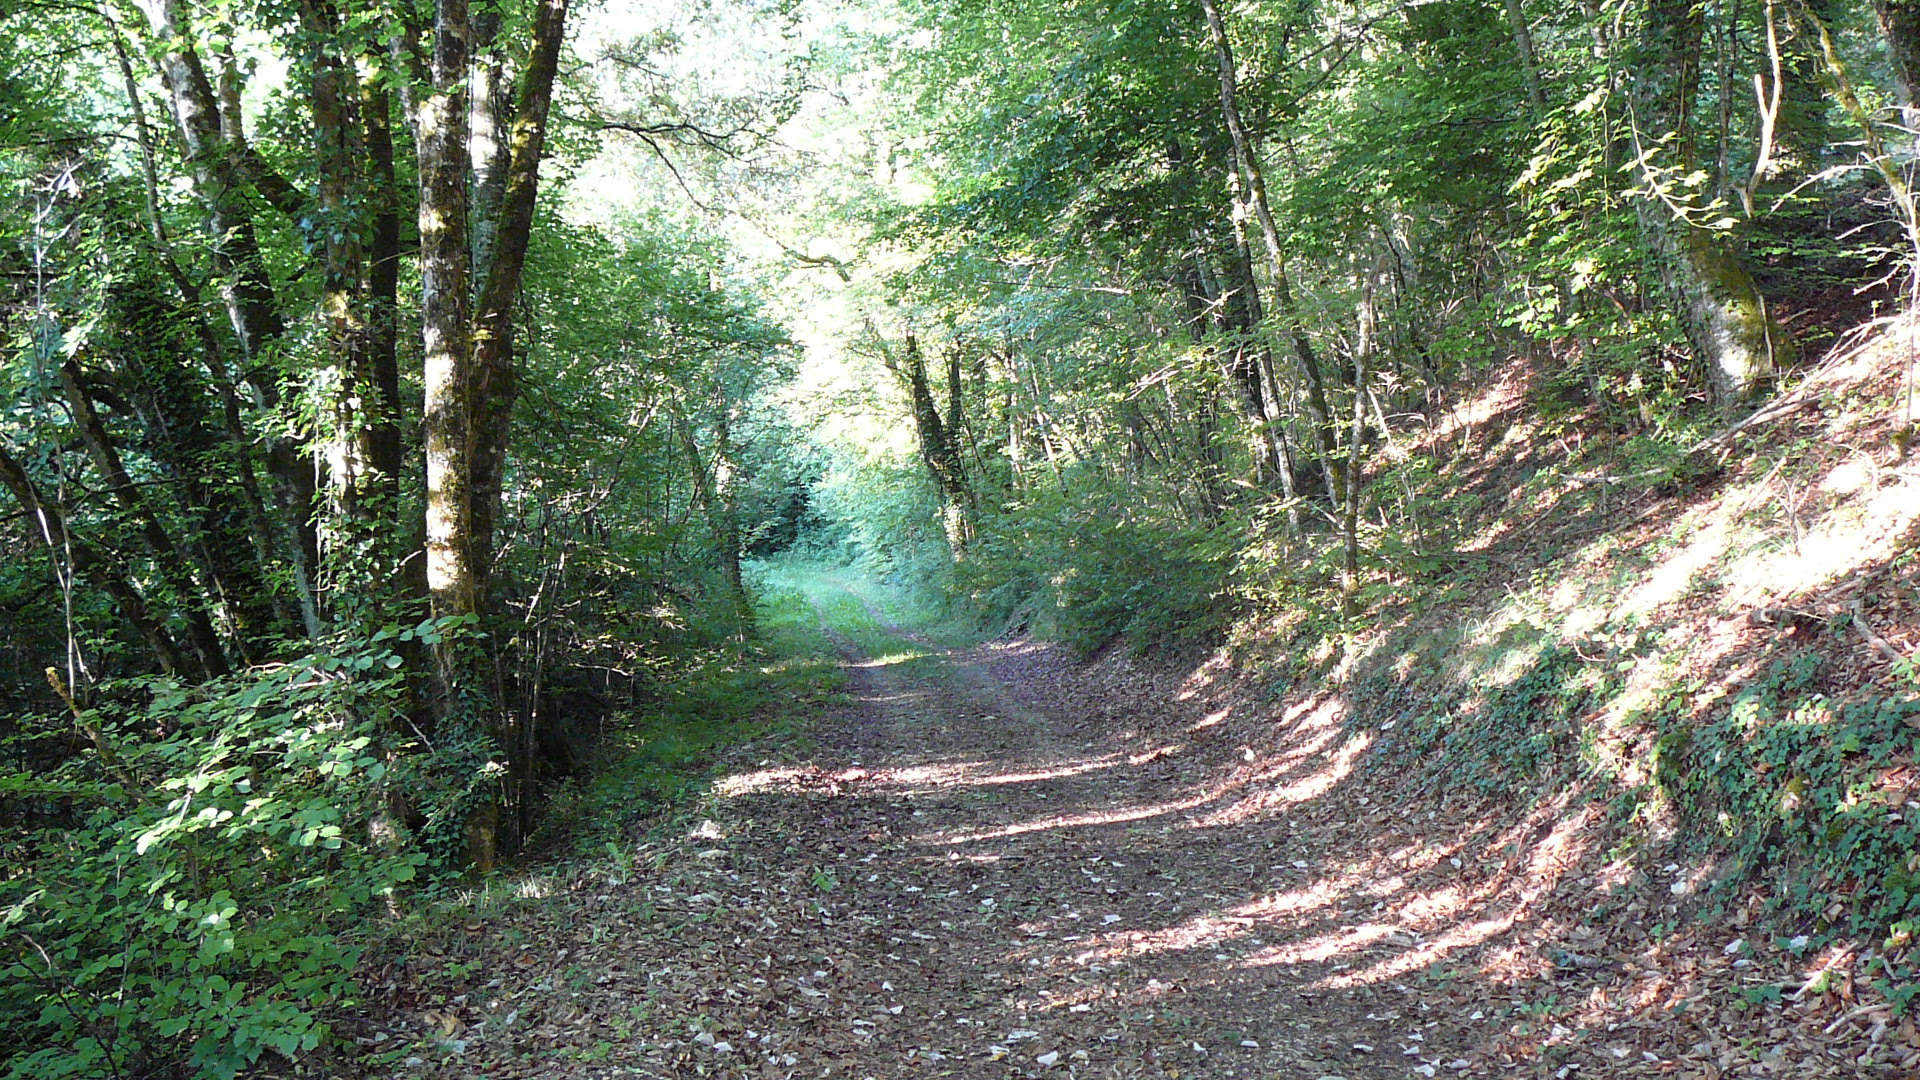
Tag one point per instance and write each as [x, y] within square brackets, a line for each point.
[1000, 863]
[1049, 893]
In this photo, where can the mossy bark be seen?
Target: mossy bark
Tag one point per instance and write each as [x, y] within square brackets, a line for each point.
[1721, 311]
[940, 447]
[1900, 24]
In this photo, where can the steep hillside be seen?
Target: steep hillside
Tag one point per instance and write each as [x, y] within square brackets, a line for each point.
[1661, 714]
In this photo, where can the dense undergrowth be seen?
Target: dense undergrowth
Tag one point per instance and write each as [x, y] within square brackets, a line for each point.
[203, 890]
[198, 876]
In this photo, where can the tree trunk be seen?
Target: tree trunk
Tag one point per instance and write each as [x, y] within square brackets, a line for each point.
[383, 315]
[1283, 299]
[495, 381]
[1900, 25]
[153, 346]
[939, 449]
[1529, 63]
[169, 559]
[1350, 525]
[715, 493]
[468, 336]
[445, 330]
[215, 147]
[726, 498]
[354, 525]
[1252, 365]
[1724, 316]
[1720, 309]
[492, 116]
[1801, 133]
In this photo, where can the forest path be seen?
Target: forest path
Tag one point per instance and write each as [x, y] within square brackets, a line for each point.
[991, 865]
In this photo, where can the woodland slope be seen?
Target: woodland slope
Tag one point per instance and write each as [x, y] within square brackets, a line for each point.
[1004, 860]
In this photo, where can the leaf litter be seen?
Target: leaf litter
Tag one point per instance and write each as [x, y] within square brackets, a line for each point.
[1017, 864]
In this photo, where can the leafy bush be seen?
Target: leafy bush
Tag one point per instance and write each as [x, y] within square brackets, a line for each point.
[1104, 574]
[223, 836]
[1782, 770]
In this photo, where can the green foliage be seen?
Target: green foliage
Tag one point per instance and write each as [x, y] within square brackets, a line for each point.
[1793, 778]
[192, 891]
[1519, 736]
[1785, 778]
[1090, 575]
[725, 694]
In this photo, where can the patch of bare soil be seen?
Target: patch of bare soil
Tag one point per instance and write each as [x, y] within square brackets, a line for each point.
[1009, 864]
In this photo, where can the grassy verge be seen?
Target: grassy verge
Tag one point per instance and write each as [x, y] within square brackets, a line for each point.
[769, 690]
[884, 623]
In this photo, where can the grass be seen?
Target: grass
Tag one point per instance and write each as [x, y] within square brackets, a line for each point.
[884, 622]
[770, 689]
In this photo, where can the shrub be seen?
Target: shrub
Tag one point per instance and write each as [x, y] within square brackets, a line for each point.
[1105, 574]
[222, 836]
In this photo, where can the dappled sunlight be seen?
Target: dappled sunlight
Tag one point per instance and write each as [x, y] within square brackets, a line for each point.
[888, 660]
[1145, 757]
[1202, 847]
[926, 777]
[1323, 948]
[1063, 771]
[1338, 767]
[1199, 933]
[1272, 908]
[785, 778]
[1220, 849]
[1675, 572]
[1254, 790]
[1863, 527]
[911, 695]
[1299, 773]
[1464, 416]
[1423, 913]
[1211, 719]
[1216, 670]
[1126, 816]
[920, 779]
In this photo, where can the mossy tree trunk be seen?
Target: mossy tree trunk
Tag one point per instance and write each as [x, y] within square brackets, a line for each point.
[1900, 24]
[1719, 308]
[467, 337]
[222, 167]
[939, 438]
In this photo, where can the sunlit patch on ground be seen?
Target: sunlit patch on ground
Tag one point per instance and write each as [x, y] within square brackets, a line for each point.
[888, 660]
[920, 779]
[1053, 822]
[1004, 856]
[1211, 719]
[759, 781]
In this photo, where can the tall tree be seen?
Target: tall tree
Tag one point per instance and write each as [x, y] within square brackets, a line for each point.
[938, 434]
[468, 334]
[1718, 305]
